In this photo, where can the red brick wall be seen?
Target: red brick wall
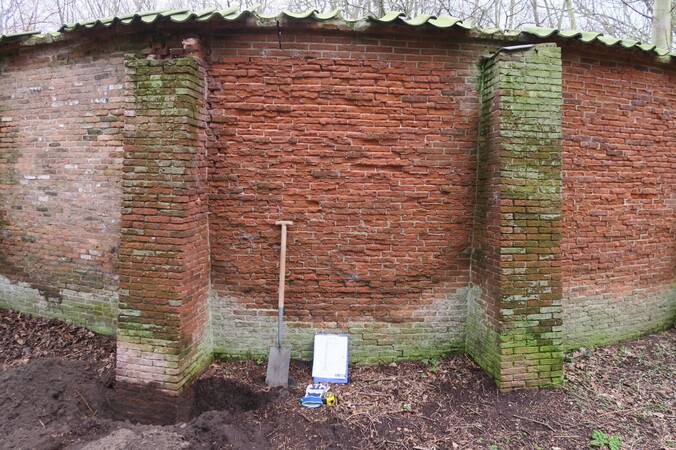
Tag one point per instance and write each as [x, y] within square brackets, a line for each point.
[60, 163]
[368, 145]
[619, 164]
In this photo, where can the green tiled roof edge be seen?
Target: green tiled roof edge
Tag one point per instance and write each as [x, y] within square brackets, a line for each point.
[17, 36]
[234, 14]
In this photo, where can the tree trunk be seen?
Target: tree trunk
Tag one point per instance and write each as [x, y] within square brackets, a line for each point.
[571, 14]
[536, 15]
[662, 24]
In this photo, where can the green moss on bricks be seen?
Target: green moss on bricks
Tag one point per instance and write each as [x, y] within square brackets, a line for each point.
[481, 341]
[203, 360]
[223, 355]
[171, 86]
[81, 309]
[368, 344]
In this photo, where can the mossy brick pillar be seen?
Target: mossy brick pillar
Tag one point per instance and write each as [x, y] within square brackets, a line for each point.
[514, 328]
[162, 336]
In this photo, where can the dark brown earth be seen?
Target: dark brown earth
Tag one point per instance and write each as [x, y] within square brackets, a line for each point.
[57, 392]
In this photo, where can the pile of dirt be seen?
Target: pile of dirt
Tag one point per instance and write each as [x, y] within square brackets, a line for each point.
[52, 398]
[54, 403]
[48, 402]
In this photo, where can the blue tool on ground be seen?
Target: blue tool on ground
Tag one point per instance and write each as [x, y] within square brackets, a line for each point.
[313, 395]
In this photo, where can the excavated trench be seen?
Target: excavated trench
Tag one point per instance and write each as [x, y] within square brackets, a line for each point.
[147, 404]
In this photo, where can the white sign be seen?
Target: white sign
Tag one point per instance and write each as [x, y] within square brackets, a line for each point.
[330, 358]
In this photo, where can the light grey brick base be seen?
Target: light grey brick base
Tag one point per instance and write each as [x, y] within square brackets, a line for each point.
[97, 312]
[248, 333]
[590, 321]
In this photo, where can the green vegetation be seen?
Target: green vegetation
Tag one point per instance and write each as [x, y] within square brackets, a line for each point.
[599, 439]
[432, 364]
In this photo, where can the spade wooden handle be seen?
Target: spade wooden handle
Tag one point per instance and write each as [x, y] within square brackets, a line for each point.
[282, 263]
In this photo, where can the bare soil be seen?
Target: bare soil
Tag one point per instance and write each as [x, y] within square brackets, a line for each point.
[57, 391]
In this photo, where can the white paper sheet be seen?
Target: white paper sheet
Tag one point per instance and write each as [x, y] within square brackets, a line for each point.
[330, 358]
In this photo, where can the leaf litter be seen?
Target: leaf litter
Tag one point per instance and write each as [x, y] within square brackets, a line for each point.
[621, 392]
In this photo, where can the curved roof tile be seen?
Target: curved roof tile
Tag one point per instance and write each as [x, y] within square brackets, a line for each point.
[17, 36]
[443, 22]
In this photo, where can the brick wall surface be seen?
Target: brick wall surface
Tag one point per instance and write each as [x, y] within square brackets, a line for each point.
[367, 145]
[61, 119]
[619, 166]
[172, 181]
